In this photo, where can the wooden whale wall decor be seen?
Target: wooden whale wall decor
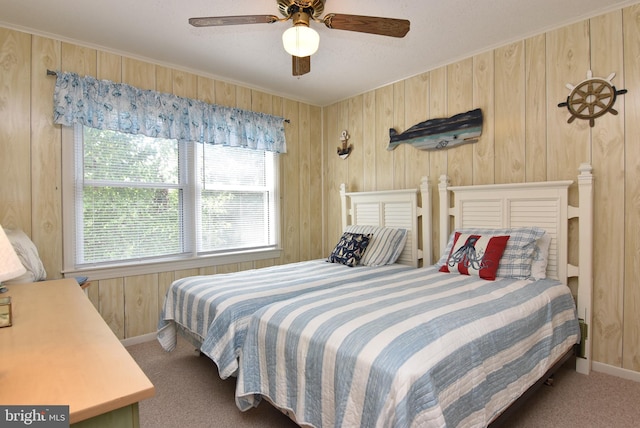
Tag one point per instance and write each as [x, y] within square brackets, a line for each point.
[437, 134]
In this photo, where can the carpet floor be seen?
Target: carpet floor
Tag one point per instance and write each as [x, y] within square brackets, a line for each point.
[190, 394]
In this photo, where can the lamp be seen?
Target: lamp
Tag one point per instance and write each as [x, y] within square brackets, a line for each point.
[10, 264]
[300, 40]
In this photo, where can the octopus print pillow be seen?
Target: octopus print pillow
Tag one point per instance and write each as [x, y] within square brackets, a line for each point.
[475, 255]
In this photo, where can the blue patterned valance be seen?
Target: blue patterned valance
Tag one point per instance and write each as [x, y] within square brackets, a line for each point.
[103, 104]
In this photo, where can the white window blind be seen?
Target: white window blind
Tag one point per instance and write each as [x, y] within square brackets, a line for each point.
[142, 198]
[237, 199]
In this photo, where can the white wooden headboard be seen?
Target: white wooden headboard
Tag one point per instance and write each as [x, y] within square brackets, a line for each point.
[396, 209]
[542, 204]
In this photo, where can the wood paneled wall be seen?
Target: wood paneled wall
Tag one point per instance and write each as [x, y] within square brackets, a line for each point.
[31, 164]
[525, 137]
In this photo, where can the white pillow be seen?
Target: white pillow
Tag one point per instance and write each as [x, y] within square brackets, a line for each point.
[541, 257]
[385, 246]
[28, 255]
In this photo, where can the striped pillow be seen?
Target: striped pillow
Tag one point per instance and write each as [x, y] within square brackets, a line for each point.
[385, 246]
[518, 255]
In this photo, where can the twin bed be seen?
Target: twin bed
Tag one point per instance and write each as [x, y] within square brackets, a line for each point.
[213, 311]
[416, 346]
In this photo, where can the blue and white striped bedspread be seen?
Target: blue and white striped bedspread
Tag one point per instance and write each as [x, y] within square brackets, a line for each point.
[215, 309]
[418, 349]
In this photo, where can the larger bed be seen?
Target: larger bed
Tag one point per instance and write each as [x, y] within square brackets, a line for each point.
[212, 311]
[427, 348]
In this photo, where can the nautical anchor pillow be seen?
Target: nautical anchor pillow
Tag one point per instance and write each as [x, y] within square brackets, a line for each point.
[475, 255]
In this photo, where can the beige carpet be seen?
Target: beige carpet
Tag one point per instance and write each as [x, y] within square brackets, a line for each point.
[189, 393]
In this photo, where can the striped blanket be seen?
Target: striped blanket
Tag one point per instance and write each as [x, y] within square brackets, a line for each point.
[419, 348]
[213, 311]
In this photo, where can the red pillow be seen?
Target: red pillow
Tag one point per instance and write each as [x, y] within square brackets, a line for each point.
[475, 255]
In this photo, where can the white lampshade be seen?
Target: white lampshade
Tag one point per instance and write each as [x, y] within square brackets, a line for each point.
[301, 41]
[10, 264]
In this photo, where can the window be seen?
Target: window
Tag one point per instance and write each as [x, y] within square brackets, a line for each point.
[141, 199]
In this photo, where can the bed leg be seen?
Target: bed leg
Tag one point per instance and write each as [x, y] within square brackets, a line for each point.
[549, 381]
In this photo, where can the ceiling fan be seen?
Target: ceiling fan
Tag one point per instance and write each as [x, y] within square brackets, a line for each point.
[301, 41]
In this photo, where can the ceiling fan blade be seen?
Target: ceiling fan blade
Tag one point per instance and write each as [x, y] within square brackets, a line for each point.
[367, 24]
[300, 65]
[215, 21]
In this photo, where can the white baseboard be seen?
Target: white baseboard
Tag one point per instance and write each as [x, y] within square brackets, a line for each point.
[616, 371]
[138, 339]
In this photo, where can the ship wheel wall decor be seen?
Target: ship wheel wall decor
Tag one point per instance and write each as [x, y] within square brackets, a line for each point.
[592, 98]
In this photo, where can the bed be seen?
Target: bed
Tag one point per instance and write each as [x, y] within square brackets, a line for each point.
[212, 311]
[430, 348]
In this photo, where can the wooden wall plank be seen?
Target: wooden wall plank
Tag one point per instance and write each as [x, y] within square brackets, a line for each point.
[304, 191]
[79, 59]
[332, 183]
[164, 80]
[439, 160]
[261, 102]
[183, 273]
[139, 74]
[225, 94]
[165, 279]
[291, 187]
[206, 89]
[141, 304]
[608, 155]
[111, 298]
[484, 97]
[243, 98]
[460, 100]
[536, 109]
[631, 234]
[316, 200]
[46, 146]
[184, 85]
[369, 140]
[567, 62]
[510, 114]
[233, 267]
[398, 156]
[109, 66]
[15, 138]
[384, 120]
[355, 161]
[417, 110]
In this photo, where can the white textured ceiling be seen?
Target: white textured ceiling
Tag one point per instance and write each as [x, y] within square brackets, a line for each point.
[346, 64]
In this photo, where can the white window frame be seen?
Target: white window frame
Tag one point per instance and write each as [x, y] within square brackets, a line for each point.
[156, 265]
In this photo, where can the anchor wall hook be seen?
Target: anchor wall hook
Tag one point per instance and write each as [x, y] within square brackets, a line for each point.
[345, 150]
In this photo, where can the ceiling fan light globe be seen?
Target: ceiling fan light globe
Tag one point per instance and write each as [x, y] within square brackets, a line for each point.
[301, 41]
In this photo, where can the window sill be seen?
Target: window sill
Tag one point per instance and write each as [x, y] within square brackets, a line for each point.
[145, 268]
